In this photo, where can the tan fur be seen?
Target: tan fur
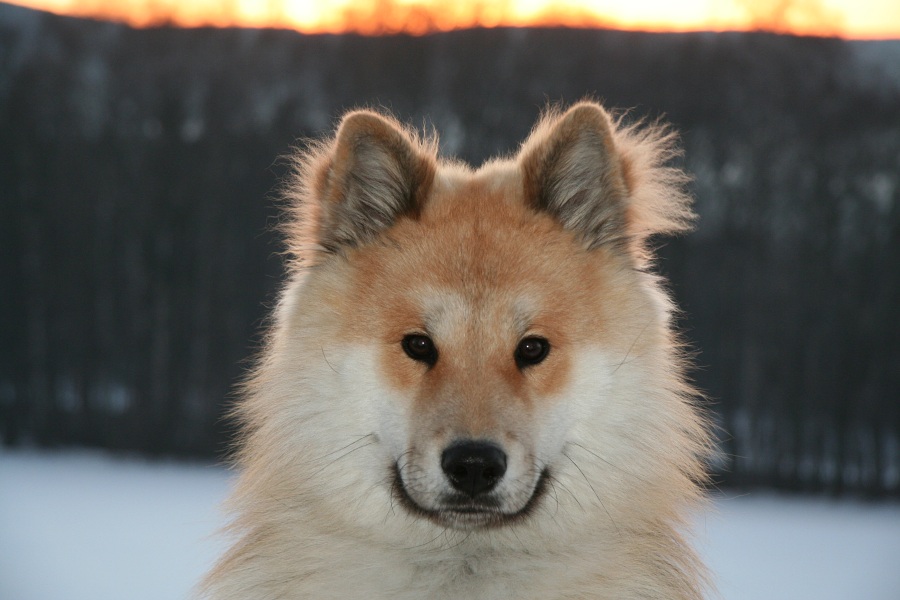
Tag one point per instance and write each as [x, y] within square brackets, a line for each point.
[605, 444]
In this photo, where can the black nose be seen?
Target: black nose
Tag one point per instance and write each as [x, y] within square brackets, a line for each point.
[474, 467]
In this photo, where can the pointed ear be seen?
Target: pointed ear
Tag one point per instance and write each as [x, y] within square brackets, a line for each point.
[609, 185]
[572, 171]
[373, 172]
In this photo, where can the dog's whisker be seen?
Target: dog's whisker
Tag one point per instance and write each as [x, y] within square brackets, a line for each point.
[461, 542]
[327, 362]
[630, 348]
[341, 457]
[588, 481]
[429, 542]
[600, 458]
[552, 481]
[356, 441]
[556, 481]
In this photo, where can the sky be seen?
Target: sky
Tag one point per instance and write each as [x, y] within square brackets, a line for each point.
[858, 19]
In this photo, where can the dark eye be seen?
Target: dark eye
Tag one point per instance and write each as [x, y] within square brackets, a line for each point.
[420, 347]
[531, 351]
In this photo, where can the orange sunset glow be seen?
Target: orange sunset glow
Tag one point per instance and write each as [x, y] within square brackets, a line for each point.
[859, 19]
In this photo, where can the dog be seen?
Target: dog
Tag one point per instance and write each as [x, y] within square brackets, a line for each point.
[471, 387]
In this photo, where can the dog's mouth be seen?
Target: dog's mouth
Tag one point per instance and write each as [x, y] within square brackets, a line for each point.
[460, 512]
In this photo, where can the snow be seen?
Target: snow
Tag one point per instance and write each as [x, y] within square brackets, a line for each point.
[86, 525]
[766, 547]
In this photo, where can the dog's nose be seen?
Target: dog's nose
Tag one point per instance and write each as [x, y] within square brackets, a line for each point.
[473, 467]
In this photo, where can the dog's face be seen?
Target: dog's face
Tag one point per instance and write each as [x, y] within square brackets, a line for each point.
[475, 320]
[477, 313]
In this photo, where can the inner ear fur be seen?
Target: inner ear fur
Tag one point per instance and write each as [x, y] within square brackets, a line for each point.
[609, 184]
[362, 181]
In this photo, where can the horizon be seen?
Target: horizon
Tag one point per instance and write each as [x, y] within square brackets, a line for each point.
[861, 20]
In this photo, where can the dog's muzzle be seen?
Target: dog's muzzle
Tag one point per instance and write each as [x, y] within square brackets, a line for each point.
[474, 470]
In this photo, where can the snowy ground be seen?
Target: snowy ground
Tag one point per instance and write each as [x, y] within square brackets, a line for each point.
[85, 526]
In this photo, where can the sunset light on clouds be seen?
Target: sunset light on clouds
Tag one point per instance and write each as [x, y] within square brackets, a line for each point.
[859, 19]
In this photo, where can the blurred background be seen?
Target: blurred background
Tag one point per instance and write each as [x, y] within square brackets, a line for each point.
[139, 145]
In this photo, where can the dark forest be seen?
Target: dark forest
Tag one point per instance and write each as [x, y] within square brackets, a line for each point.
[138, 197]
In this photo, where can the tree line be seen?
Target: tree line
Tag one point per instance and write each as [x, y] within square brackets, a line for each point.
[138, 259]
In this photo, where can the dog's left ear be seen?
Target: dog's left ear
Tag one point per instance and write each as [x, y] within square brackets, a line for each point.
[358, 184]
[609, 185]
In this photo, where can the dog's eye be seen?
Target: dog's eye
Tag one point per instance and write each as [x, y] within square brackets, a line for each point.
[531, 351]
[420, 347]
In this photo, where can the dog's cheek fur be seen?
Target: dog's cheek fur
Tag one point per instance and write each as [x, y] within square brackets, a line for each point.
[311, 471]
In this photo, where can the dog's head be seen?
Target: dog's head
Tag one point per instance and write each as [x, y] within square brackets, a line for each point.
[464, 341]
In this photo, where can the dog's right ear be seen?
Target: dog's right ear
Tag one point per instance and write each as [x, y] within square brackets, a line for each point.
[573, 171]
[606, 182]
[370, 174]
